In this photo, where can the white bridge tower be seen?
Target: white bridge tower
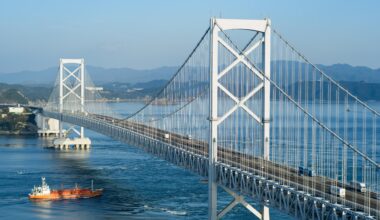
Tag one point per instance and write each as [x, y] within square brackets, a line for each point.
[218, 25]
[72, 101]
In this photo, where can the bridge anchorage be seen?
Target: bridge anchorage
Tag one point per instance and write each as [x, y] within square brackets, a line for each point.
[259, 120]
[47, 127]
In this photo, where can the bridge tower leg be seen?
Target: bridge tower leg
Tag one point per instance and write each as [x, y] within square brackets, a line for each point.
[216, 26]
[266, 99]
[72, 100]
[213, 141]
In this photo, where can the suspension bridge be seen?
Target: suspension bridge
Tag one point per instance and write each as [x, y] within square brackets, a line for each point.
[253, 115]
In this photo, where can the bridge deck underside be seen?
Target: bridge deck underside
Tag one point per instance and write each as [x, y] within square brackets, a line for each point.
[256, 178]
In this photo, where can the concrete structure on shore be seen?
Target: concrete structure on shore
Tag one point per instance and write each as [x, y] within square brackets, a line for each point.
[47, 127]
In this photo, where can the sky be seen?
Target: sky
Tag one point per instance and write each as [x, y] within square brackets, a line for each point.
[145, 34]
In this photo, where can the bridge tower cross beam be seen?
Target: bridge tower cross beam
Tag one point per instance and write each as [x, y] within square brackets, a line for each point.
[239, 199]
[217, 26]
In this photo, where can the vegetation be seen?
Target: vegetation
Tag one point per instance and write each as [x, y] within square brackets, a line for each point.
[11, 96]
[11, 123]
[22, 94]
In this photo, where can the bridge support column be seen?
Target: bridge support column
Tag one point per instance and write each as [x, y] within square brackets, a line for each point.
[266, 99]
[213, 141]
[265, 213]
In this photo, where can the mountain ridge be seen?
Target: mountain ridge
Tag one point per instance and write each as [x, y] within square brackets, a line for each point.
[101, 75]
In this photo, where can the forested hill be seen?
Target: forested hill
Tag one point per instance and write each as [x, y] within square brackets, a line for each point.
[348, 73]
[22, 94]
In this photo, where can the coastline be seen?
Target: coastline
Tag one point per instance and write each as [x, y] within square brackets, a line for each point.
[16, 133]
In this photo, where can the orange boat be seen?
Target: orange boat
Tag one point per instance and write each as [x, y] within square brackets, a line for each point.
[43, 192]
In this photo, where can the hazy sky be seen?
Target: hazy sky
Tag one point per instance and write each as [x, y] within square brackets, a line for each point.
[141, 34]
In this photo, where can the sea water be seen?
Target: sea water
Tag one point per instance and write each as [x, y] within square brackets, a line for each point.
[136, 185]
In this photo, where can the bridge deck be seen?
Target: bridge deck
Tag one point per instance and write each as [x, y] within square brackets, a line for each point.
[285, 177]
[316, 185]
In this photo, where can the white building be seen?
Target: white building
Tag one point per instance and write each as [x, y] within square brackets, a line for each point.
[16, 110]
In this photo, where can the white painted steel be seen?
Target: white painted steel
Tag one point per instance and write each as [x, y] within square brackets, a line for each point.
[213, 142]
[65, 75]
[266, 100]
[218, 25]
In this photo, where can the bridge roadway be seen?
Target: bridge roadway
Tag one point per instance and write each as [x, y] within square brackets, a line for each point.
[318, 185]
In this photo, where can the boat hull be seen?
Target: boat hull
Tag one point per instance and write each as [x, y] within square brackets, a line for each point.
[68, 194]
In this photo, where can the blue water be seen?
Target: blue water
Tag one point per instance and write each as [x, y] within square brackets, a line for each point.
[137, 185]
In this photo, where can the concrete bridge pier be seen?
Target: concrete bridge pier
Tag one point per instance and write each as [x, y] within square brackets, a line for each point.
[63, 147]
[82, 143]
[77, 143]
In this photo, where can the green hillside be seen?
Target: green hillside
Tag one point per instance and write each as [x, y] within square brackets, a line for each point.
[22, 94]
[11, 96]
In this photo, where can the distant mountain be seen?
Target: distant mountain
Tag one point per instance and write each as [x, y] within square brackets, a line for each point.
[12, 96]
[132, 91]
[22, 94]
[126, 83]
[348, 73]
[15, 93]
[46, 76]
[339, 72]
[98, 74]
